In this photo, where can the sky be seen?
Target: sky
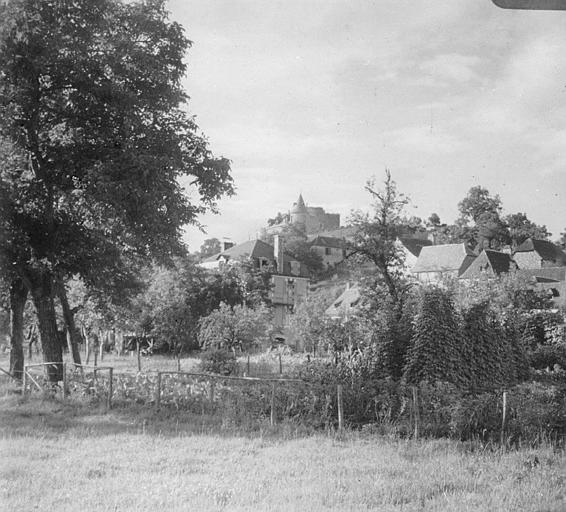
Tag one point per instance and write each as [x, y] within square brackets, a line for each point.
[316, 97]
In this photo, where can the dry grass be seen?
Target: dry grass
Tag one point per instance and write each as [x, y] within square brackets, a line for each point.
[67, 457]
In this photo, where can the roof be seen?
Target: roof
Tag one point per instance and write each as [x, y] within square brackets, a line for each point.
[343, 232]
[344, 303]
[546, 250]
[249, 249]
[498, 262]
[299, 206]
[444, 258]
[548, 274]
[259, 249]
[414, 245]
[328, 241]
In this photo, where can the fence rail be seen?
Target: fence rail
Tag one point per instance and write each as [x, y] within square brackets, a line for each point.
[273, 395]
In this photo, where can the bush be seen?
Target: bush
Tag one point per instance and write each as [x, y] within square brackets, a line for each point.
[548, 356]
[219, 361]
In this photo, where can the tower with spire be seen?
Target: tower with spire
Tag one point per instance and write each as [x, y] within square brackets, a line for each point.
[299, 214]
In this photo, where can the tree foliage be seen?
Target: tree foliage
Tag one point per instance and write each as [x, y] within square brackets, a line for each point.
[96, 139]
[210, 247]
[237, 327]
[376, 234]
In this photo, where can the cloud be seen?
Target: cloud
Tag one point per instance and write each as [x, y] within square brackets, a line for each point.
[447, 68]
[422, 139]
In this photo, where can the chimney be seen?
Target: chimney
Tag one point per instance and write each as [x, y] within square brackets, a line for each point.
[278, 244]
[226, 244]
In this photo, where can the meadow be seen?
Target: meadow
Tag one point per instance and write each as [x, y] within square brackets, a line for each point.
[75, 455]
[69, 456]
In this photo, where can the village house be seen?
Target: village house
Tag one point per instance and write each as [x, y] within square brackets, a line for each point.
[346, 304]
[534, 253]
[331, 250]
[289, 277]
[490, 263]
[435, 262]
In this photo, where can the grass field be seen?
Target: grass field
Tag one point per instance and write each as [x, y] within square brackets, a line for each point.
[68, 457]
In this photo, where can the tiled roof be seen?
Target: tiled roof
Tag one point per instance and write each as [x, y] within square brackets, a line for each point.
[498, 262]
[547, 274]
[249, 249]
[546, 250]
[328, 241]
[343, 232]
[414, 245]
[444, 258]
[345, 302]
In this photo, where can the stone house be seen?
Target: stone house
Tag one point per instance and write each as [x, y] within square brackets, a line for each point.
[491, 263]
[534, 253]
[436, 262]
[330, 249]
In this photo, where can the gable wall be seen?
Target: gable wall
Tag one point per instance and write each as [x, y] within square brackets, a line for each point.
[529, 259]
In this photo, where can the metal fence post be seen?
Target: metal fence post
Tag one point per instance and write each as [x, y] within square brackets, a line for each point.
[340, 408]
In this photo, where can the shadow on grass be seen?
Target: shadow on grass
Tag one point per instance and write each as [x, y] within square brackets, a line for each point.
[50, 417]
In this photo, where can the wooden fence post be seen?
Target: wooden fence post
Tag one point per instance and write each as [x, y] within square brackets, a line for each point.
[158, 391]
[64, 381]
[272, 419]
[340, 408]
[416, 410]
[280, 365]
[503, 418]
[24, 381]
[248, 367]
[211, 391]
[139, 356]
[110, 387]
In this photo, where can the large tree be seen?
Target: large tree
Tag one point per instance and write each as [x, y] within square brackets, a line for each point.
[521, 228]
[91, 102]
[488, 230]
[376, 236]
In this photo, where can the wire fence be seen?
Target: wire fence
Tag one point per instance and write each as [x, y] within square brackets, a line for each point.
[410, 411]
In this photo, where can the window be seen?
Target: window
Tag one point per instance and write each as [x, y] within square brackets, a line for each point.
[327, 251]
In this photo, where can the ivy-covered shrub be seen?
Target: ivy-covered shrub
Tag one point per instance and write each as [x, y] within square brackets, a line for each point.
[436, 349]
[493, 354]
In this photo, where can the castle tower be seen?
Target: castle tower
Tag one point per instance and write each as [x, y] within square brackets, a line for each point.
[299, 214]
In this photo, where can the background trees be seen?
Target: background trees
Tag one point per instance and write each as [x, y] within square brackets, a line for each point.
[92, 116]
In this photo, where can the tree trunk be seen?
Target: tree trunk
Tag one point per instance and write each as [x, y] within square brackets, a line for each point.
[42, 294]
[72, 330]
[18, 298]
